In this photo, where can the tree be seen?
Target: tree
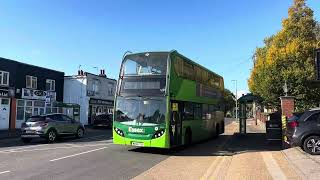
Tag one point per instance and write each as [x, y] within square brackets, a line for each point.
[229, 100]
[317, 32]
[288, 56]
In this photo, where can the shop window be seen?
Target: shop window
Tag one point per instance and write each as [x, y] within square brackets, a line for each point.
[29, 103]
[39, 103]
[20, 113]
[31, 82]
[48, 110]
[28, 112]
[50, 85]
[41, 111]
[4, 78]
[35, 111]
[20, 103]
[54, 110]
[5, 101]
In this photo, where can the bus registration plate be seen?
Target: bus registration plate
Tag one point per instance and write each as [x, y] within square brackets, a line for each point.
[140, 144]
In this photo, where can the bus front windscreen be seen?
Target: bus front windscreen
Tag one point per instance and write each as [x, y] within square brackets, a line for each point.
[140, 111]
[145, 64]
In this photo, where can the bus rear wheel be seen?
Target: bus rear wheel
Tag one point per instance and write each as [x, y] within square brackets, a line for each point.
[188, 138]
[217, 130]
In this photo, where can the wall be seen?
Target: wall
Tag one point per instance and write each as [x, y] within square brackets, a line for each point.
[18, 72]
[104, 84]
[75, 92]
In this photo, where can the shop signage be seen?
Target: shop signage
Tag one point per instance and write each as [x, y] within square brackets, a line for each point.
[38, 94]
[8, 92]
[100, 101]
[90, 93]
[4, 92]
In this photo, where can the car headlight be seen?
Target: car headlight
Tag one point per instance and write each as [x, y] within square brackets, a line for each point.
[158, 133]
[119, 132]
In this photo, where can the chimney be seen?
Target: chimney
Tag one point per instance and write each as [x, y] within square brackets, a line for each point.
[102, 74]
[79, 72]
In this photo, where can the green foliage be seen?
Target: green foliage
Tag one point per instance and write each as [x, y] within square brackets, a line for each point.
[288, 56]
[229, 100]
[317, 32]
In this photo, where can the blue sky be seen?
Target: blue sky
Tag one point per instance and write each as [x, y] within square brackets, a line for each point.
[221, 35]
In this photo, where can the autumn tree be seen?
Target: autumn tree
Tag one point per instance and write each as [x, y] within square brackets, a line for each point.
[288, 56]
[229, 100]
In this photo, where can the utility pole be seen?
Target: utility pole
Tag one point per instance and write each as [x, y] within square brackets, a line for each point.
[236, 99]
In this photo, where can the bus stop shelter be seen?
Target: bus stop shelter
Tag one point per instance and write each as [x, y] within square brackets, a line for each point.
[243, 102]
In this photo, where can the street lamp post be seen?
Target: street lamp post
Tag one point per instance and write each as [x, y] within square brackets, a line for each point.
[236, 98]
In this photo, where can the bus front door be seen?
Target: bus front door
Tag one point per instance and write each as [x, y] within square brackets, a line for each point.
[175, 124]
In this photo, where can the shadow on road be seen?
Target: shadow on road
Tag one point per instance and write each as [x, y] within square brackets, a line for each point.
[225, 145]
[91, 135]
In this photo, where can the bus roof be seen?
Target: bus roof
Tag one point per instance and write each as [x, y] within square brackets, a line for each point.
[175, 51]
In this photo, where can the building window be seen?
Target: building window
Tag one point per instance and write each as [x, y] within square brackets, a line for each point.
[95, 87]
[50, 85]
[4, 78]
[31, 82]
[20, 110]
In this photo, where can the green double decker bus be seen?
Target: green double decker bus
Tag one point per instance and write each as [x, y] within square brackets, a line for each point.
[164, 100]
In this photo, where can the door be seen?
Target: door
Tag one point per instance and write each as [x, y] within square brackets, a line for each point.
[4, 113]
[175, 124]
[70, 125]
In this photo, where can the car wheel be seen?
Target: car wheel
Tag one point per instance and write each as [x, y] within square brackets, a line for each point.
[80, 133]
[312, 145]
[52, 136]
[26, 140]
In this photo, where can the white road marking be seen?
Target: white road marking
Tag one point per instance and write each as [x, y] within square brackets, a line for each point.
[24, 147]
[4, 172]
[57, 159]
[53, 148]
[272, 166]
[212, 167]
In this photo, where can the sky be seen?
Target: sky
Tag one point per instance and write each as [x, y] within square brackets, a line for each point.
[218, 34]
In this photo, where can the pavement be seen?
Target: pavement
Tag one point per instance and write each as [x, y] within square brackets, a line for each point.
[230, 156]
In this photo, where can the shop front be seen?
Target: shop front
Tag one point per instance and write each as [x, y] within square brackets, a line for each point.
[35, 102]
[5, 109]
[98, 107]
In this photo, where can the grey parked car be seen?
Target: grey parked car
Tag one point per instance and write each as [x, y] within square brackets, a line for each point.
[50, 127]
[303, 130]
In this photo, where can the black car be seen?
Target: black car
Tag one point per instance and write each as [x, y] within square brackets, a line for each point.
[303, 129]
[103, 120]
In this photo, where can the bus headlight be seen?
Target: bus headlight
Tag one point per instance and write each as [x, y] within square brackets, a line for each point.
[119, 132]
[158, 133]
